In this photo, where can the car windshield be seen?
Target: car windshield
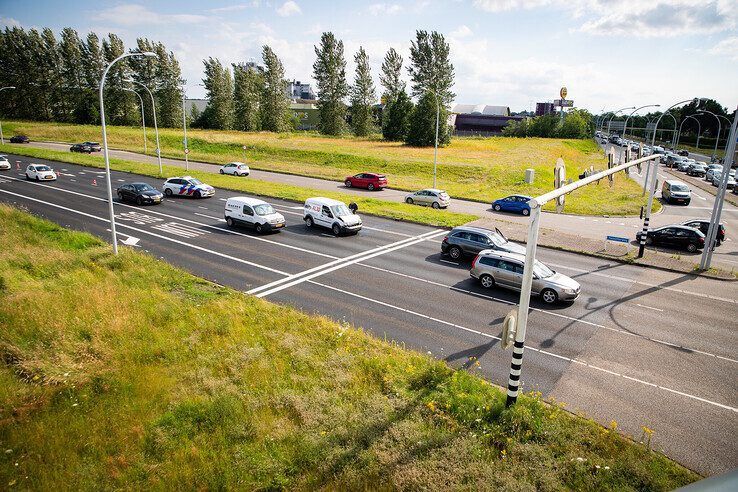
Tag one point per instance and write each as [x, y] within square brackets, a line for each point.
[679, 187]
[496, 238]
[340, 210]
[541, 271]
[195, 181]
[264, 209]
[43, 168]
[143, 187]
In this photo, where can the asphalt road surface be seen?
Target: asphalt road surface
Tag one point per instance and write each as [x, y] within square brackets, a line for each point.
[640, 346]
[591, 227]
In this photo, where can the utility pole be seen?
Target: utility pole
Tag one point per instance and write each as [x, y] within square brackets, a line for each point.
[717, 208]
[717, 139]
[156, 127]
[143, 118]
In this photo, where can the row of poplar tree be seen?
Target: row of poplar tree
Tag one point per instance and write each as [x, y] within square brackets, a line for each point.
[58, 79]
[254, 97]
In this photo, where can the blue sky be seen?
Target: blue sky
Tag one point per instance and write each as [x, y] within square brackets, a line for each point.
[608, 53]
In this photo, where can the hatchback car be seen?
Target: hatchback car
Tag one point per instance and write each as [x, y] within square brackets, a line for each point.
[82, 148]
[703, 225]
[236, 169]
[370, 181]
[140, 193]
[430, 197]
[40, 172]
[467, 241]
[503, 269]
[19, 139]
[675, 236]
[696, 169]
[717, 178]
[512, 203]
[187, 186]
[711, 168]
[4, 163]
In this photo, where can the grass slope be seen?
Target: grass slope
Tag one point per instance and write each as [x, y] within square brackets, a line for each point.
[373, 206]
[481, 169]
[125, 372]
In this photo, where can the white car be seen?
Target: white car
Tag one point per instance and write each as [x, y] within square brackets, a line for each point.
[187, 186]
[331, 214]
[430, 197]
[4, 163]
[235, 168]
[40, 172]
[252, 212]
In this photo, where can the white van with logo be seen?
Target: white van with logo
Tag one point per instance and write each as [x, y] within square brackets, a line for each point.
[331, 214]
[251, 212]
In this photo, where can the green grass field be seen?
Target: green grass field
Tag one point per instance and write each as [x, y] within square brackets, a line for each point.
[372, 206]
[125, 372]
[481, 169]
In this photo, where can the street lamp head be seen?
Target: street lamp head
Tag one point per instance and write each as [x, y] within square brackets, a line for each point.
[150, 54]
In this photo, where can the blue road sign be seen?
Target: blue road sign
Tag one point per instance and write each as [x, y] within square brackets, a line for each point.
[618, 239]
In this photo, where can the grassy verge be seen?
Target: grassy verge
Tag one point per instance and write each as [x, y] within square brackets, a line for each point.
[482, 169]
[372, 206]
[125, 372]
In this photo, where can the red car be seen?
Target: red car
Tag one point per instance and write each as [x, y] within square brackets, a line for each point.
[370, 181]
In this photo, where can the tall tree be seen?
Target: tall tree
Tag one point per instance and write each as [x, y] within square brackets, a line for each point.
[274, 103]
[144, 71]
[119, 103]
[93, 64]
[329, 71]
[169, 89]
[390, 76]
[70, 54]
[363, 96]
[432, 74]
[396, 117]
[248, 87]
[219, 87]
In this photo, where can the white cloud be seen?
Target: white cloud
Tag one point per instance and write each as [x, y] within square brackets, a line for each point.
[9, 22]
[727, 47]
[462, 31]
[288, 8]
[505, 5]
[384, 9]
[136, 15]
[233, 8]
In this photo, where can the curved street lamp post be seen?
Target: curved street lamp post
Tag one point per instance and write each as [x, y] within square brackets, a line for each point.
[156, 127]
[143, 118]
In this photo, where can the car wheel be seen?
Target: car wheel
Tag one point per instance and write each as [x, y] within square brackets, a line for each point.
[336, 229]
[259, 228]
[139, 200]
[222, 172]
[309, 221]
[454, 252]
[487, 281]
[28, 178]
[229, 221]
[347, 183]
[497, 208]
[197, 194]
[691, 247]
[549, 296]
[370, 187]
[120, 196]
[167, 192]
[409, 201]
[37, 178]
[436, 205]
[526, 212]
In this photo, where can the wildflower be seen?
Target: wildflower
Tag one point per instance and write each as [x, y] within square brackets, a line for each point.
[581, 460]
[613, 425]
[607, 468]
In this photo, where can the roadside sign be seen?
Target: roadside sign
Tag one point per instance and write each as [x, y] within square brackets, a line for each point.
[187, 151]
[559, 181]
[564, 103]
[563, 92]
[509, 327]
[618, 239]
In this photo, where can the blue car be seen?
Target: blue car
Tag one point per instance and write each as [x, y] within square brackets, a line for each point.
[512, 203]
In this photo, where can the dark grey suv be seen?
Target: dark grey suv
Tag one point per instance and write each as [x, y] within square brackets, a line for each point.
[469, 241]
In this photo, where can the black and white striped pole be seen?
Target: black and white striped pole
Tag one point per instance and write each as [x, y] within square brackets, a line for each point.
[519, 326]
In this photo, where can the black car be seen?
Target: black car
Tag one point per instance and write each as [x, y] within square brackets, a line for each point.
[19, 139]
[469, 241]
[141, 193]
[703, 225]
[697, 170]
[94, 146]
[683, 152]
[675, 236]
[83, 148]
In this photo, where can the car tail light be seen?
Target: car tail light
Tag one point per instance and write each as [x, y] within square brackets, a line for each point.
[702, 240]
[445, 239]
[474, 263]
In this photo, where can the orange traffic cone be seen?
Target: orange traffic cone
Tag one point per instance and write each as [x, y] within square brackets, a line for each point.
[94, 182]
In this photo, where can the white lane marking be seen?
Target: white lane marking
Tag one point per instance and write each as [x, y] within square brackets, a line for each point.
[647, 284]
[180, 230]
[121, 180]
[698, 196]
[325, 234]
[219, 219]
[534, 349]
[649, 307]
[298, 278]
[200, 206]
[143, 231]
[282, 209]
[138, 218]
[447, 261]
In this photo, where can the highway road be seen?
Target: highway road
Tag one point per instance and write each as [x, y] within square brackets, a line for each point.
[643, 347]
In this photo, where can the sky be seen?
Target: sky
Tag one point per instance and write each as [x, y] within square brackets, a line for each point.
[608, 53]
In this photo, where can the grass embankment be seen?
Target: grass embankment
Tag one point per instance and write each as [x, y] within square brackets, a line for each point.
[482, 169]
[125, 372]
[372, 206]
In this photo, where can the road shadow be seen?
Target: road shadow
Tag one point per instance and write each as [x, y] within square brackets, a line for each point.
[471, 355]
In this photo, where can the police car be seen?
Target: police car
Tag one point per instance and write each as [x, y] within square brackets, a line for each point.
[187, 186]
[4, 163]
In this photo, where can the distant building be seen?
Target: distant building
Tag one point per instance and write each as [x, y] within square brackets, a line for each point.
[306, 114]
[481, 119]
[545, 108]
[297, 90]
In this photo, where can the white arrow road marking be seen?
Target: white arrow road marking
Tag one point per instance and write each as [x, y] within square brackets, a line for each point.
[131, 241]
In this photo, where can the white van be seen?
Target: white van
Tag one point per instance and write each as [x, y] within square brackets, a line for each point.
[252, 212]
[331, 214]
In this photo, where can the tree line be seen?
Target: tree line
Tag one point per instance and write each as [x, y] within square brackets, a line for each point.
[57, 79]
[576, 123]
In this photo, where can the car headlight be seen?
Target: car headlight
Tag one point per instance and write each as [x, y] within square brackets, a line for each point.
[570, 291]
